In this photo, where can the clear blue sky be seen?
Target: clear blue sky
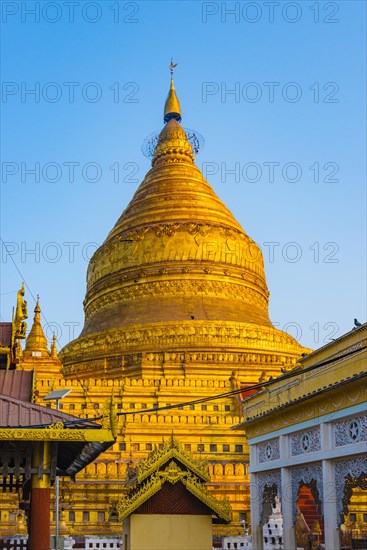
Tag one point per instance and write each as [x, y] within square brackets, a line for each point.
[293, 130]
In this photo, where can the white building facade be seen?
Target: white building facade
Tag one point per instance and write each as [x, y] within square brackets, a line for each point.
[309, 429]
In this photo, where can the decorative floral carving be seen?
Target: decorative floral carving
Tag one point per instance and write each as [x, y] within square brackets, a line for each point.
[171, 448]
[179, 286]
[173, 473]
[149, 479]
[167, 230]
[198, 229]
[131, 250]
[268, 451]
[79, 356]
[306, 442]
[352, 430]
[56, 426]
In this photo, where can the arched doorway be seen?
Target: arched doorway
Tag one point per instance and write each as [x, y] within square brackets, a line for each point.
[309, 520]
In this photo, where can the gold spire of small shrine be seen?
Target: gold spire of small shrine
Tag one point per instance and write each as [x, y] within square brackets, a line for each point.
[53, 347]
[172, 107]
[36, 341]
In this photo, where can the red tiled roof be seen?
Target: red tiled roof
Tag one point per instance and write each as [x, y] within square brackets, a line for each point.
[16, 384]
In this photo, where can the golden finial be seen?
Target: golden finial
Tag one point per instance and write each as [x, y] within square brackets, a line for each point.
[53, 346]
[172, 107]
[37, 309]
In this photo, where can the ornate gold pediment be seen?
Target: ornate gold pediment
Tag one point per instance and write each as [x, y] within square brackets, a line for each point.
[171, 449]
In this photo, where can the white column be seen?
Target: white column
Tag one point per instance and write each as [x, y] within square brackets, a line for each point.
[256, 505]
[289, 531]
[332, 535]
[283, 447]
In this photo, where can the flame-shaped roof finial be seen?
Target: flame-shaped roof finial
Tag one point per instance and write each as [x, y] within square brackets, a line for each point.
[172, 107]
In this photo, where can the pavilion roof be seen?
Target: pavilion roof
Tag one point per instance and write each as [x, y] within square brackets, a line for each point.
[171, 465]
[5, 334]
[77, 441]
[16, 384]
[15, 413]
[171, 449]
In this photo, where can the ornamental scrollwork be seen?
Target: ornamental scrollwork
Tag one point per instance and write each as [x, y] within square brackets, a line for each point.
[56, 426]
[166, 230]
[171, 449]
[78, 354]
[127, 504]
[352, 430]
[268, 451]
[43, 434]
[130, 249]
[305, 442]
[221, 507]
[236, 290]
[172, 473]
[198, 229]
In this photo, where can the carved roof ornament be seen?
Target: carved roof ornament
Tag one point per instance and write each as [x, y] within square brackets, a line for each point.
[171, 464]
[171, 449]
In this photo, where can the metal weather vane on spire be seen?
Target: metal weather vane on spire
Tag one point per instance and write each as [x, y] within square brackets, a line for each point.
[172, 66]
[172, 107]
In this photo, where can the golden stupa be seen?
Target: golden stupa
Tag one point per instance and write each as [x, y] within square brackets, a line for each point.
[176, 311]
[177, 274]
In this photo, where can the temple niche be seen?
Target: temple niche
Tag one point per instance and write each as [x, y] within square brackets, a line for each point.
[176, 311]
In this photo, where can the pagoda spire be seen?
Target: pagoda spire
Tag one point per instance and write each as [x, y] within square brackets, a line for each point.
[173, 145]
[36, 341]
[53, 346]
[172, 107]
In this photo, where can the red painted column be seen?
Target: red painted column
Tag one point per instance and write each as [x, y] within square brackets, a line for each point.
[40, 519]
[39, 536]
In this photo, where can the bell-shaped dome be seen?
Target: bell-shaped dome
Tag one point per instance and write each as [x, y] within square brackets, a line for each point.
[175, 262]
[176, 252]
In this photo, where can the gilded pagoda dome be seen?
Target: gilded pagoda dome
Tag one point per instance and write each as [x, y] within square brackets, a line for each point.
[176, 268]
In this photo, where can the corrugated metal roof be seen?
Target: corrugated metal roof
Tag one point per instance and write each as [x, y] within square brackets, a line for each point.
[16, 384]
[72, 456]
[5, 334]
[16, 413]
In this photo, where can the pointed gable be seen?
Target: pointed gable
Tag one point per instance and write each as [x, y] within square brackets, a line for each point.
[171, 481]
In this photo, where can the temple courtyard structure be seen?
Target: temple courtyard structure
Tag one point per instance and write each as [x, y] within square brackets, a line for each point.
[177, 332]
